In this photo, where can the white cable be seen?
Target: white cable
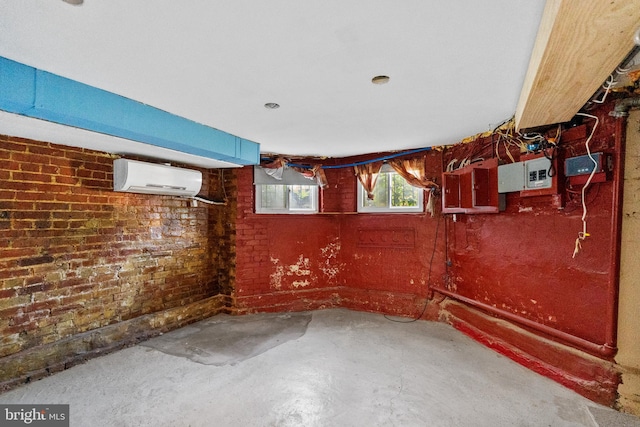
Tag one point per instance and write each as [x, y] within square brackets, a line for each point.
[211, 202]
[583, 234]
[533, 137]
[607, 85]
[508, 152]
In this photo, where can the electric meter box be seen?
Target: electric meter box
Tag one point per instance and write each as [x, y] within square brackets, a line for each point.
[583, 165]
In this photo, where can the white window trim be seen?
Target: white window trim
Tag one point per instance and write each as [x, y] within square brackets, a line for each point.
[389, 209]
[315, 196]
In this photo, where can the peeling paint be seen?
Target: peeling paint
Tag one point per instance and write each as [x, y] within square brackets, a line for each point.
[301, 268]
[300, 283]
[275, 278]
[330, 267]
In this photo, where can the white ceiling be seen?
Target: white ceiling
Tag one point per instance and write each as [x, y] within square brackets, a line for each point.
[456, 66]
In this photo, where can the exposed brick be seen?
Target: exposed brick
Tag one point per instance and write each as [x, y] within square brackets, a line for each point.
[7, 195]
[75, 256]
[13, 147]
[16, 253]
[44, 259]
[30, 177]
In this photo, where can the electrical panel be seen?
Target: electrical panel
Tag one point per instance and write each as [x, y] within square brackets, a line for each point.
[511, 177]
[538, 173]
[578, 169]
[534, 175]
[542, 177]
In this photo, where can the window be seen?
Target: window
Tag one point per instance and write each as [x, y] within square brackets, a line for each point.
[392, 194]
[284, 191]
[286, 198]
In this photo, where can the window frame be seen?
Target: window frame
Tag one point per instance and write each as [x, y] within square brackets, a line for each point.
[287, 210]
[387, 169]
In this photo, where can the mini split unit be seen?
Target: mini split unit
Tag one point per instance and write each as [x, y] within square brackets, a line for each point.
[133, 176]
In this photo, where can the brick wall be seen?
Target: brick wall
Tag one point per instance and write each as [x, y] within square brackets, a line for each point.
[222, 219]
[304, 262]
[77, 257]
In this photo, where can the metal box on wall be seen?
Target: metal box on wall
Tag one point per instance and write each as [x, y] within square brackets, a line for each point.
[538, 173]
[511, 177]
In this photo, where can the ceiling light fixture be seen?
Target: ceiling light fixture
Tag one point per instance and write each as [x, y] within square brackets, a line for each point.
[271, 105]
[380, 80]
[74, 2]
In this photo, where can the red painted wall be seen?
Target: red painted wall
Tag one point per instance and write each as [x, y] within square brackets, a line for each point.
[372, 262]
[518, 262]
[518, 265]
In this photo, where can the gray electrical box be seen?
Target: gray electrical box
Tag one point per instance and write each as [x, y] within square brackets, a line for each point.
[537, 173]
[528, 175]
[511, 177]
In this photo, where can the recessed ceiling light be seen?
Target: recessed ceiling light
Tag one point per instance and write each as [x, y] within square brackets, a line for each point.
[74, 2]
[271, 105]
[380, 80]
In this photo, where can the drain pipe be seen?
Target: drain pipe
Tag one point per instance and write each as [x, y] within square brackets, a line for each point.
[606, 350]
[623, 106]
[621, 112]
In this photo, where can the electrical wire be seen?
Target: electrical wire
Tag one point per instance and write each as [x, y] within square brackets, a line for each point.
[215, 202]
[426, 302]
[607, 86]
[582, 235]
[570, 192]
[364, 162]
[551, 172]
[208, 201]
[224, 190]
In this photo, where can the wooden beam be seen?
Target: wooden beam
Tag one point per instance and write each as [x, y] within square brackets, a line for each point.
[579, 43]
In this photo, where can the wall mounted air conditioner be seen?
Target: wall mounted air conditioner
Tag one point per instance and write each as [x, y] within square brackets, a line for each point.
[132, 176]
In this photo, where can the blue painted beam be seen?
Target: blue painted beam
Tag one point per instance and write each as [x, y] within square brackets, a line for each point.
[35, 93]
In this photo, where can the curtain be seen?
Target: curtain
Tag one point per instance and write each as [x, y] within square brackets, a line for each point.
[413, 171]
[276, 169]
[316, 173]
[368, 175]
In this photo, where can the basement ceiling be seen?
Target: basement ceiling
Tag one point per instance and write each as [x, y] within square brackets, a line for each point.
[455, 68]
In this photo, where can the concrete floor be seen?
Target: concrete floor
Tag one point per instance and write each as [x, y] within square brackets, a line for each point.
[323, 368]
